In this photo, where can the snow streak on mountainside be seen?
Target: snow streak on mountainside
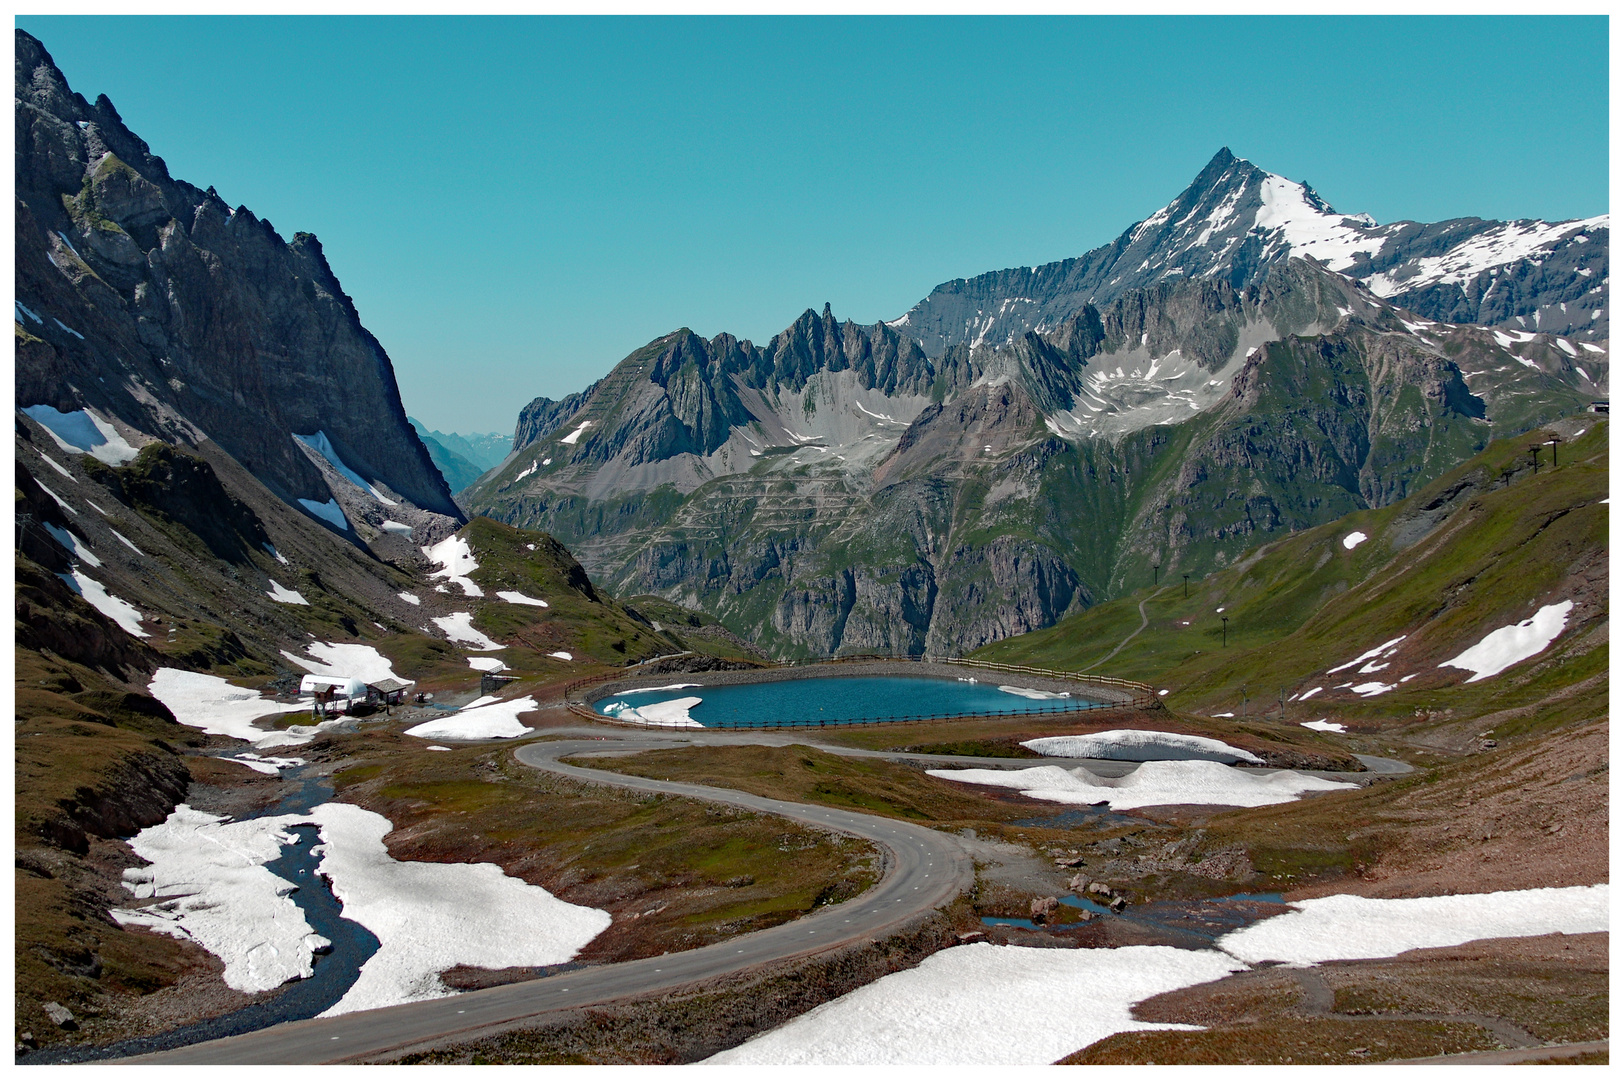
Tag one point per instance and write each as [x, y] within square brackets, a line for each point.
[1236, 220]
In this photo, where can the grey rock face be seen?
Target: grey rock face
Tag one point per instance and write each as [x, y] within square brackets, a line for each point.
[998, 489]
[163, 307]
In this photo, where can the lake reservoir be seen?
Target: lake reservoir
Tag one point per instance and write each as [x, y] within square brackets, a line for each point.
[813, 702]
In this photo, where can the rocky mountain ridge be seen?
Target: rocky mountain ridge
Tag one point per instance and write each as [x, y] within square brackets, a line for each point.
[171, 316]
[840, 490]
[1236, 220]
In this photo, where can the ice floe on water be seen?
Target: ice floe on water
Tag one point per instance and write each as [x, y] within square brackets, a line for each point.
[1324, 725]
[210, 873]
[1155, 783]
[1512, 644]
[521, 598]
[429, 917]
[1035, 695]
[492, 720]
[458, 626]
[96, 595]
[1360, 927]
[83, 432]
[1353, 540]
[986, 1004]
[456, 561]
[673, 713]
[345, 660]
[285, 596]
[1132, 745]
[486, 663]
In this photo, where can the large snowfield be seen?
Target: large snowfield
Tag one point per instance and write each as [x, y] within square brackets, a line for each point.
[985, 1004]
[429, 917]
[1134, 745]
[1155, 783]
[989, 1004]
[1358, 927]
[220, 895]
[217, 707]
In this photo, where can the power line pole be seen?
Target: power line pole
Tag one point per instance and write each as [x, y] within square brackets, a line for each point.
[1555, 439]
[1226, 630]
[1156, 575]
[1186, 586]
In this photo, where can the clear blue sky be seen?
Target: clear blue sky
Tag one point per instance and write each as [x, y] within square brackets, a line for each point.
[515, 204]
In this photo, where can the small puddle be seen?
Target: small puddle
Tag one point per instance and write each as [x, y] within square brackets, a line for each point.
[1083, 817]
[333, 972]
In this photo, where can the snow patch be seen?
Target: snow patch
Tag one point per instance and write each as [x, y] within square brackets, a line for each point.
[125, 540]
[456, 561]
[429, 917]
[1360, 927]
[561, 656]
[277, 555]
[328, 512]
[82, 432]
[1155, 783]
[321, 444]
[1134, 745]
[1387, 647]
[486, 663]
[346, 661]
[59, 500]
[1310, 693]
[410, 598]
[399, 528]
[223, 897]
[72, 543]
[217, 707]
[1353, 540]
[458, 626]
[52, 463]
[285, 596]
[1513, 644]
[985, 1004]
[96, 595]
[492, 720]
[570, 439]
[521, 598]
[1324, 725]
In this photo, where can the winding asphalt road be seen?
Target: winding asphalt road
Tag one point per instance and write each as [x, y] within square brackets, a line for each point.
[923, 870]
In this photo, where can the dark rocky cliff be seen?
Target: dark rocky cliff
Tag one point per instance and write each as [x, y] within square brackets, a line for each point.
[159, 305]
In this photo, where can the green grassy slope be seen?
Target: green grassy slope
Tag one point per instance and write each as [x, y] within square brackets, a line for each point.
[1473, 551]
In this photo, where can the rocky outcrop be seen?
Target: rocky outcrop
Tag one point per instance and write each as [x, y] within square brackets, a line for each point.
[164, 308]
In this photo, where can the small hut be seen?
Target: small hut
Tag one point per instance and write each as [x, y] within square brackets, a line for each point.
[387, 692]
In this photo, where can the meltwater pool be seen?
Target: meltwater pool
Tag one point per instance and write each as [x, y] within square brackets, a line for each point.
[815, 701]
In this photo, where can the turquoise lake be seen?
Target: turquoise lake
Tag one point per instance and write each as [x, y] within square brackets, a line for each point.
[839, 700]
